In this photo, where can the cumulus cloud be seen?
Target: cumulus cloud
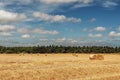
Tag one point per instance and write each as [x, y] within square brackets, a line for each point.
[21, 1]
[109, 4]
[119, 28]
[26, 36]
[95, 35]
[65, 1]
[92, 20]
[85, 30]
[55, 18]
[42, 31]
[5, 34]
[1, 4]
[44, 40]
[64, 40]
[6, 28]
[100, 28]
[38, 31]
[59, 40]
[23, 30]
[80, 5]
[114, 34]
[73, 41]
[6, 16]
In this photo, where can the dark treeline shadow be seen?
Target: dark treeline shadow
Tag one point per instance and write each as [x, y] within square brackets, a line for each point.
[60, 49]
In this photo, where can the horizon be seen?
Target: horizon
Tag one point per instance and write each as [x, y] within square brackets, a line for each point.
[59, 22]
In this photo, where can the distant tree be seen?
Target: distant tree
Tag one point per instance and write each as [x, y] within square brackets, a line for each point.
[60, 49]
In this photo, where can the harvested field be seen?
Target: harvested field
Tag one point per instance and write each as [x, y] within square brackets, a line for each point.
[58, 67]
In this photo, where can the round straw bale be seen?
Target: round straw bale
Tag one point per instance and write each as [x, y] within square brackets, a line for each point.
[96, 57]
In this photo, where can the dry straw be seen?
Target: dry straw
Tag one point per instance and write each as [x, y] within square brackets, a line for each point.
[96, 57]
[75, 55]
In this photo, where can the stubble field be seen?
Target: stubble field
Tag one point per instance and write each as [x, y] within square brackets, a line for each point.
[58, 67]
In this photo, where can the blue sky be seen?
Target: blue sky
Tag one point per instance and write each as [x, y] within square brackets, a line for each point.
[59, 22]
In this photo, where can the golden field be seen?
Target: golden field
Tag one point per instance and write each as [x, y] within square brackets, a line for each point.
[58, 67]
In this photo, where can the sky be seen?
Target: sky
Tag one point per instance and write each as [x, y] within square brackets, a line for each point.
[60, 22]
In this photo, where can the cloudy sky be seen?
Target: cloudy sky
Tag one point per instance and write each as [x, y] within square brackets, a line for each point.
[59, 22]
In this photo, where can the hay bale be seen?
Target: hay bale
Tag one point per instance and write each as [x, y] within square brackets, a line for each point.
[45, 54]
[75, 55]
[96, 57]
[21, 54]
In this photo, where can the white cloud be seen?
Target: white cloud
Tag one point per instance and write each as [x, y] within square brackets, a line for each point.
[92, 20]
[100, 28]
[74, 41]
[119, 28]
[65, 1]
[80, 5]
[95, 35]
[114, 34]
[38, 31]
[6, 16]
[72, 19]
[23, 30]
[58, 3]
[1, 4]
[42, 31]
[64, 40]
[21, 1]
[6, 28]
[54, 18]
[26, 36]
[59, 40]
[85, 30]
[109, 4]
[44, 40]
[5, 34]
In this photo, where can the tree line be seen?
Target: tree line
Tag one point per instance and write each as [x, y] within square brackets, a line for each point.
[60, 49]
